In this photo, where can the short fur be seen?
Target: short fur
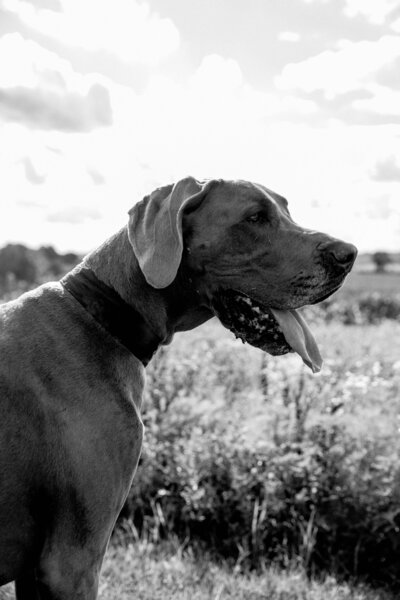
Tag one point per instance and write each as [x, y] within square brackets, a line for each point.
[71, 393]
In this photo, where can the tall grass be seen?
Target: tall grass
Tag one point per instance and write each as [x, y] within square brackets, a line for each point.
[146, 571]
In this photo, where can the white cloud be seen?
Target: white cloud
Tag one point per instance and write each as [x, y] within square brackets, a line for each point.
[383, 102]
[40, 89]
[289, 36]
[204, 126]
[387, 169]
[396, 25]
[127, 28]
[67, 209]
[31, 64]
[74, 214]
[352, 66]
[375, 11]
[217, 73]
[31, 173]
[327, 182]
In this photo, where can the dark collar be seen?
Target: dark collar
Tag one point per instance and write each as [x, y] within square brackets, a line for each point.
[117, 317]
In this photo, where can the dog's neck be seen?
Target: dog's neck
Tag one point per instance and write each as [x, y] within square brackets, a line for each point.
[110, 285]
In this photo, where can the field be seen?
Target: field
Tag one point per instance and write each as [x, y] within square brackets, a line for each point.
[359, 282]
[259, 480]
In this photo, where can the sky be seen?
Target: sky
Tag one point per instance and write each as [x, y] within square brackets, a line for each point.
[101, 101]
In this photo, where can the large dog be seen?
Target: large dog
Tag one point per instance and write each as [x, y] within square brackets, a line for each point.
[73, 356]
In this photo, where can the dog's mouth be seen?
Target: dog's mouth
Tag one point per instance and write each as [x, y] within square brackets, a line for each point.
[275, 331]
[330, 289]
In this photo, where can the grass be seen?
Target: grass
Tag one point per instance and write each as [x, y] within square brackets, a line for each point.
[144, 572]
[360, 282]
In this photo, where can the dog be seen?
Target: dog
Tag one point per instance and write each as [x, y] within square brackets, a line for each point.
[73, 357]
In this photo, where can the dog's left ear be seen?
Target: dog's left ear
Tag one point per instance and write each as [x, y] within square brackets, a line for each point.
[155, 228]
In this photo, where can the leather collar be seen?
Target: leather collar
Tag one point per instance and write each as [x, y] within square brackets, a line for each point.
[106, 306]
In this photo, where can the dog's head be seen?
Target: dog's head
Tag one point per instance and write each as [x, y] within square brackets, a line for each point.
[248, 261]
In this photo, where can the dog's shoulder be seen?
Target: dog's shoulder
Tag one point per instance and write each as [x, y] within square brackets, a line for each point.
[29, 303]
[48, 342]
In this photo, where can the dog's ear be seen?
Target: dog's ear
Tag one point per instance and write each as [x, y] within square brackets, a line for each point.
[155, 228]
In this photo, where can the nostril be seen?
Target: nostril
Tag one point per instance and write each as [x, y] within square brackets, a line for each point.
[344, 254]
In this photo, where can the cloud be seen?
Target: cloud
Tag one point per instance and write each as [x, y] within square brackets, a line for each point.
[216, 100]
[96, 177]
[376, 12]
[74, 215]
[126, 28]
[50, 110]
[384, 106]
[353, 65]
[31, 173]
[289, 36]
[353, 82]
[388, 75]
[359, 107]
[381, 207]
[218, 73]
[387, 170]
[40, 90]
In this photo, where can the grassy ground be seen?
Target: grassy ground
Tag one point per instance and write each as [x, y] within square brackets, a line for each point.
[144, 573]
[359, 282]
[141, 571]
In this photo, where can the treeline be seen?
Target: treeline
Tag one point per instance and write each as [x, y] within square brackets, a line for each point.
[22, 268]
[367, 308]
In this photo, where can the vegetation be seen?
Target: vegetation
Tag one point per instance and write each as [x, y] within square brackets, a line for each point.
[22, 268]
[145, 571]
[381, 260]
[140, 570]
[286, 468]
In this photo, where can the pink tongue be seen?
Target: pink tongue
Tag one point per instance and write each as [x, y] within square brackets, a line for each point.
[299, 337]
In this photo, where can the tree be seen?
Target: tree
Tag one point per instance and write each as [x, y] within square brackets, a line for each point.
[381, 260]
[16, 259]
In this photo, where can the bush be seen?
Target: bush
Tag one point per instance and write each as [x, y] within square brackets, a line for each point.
[16, 261]
[325, 503]
[318, 494]
[367, 308]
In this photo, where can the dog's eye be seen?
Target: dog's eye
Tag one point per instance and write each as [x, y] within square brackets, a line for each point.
[255, 218]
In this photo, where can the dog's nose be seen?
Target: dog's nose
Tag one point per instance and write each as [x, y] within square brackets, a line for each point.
[344, 254]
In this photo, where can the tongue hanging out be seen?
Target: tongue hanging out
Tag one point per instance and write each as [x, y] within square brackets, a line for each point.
[299, 337]
[274, 331]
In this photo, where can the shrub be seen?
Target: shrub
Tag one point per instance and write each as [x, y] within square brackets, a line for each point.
[326, 502]
[319, 493]
[369, 308]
